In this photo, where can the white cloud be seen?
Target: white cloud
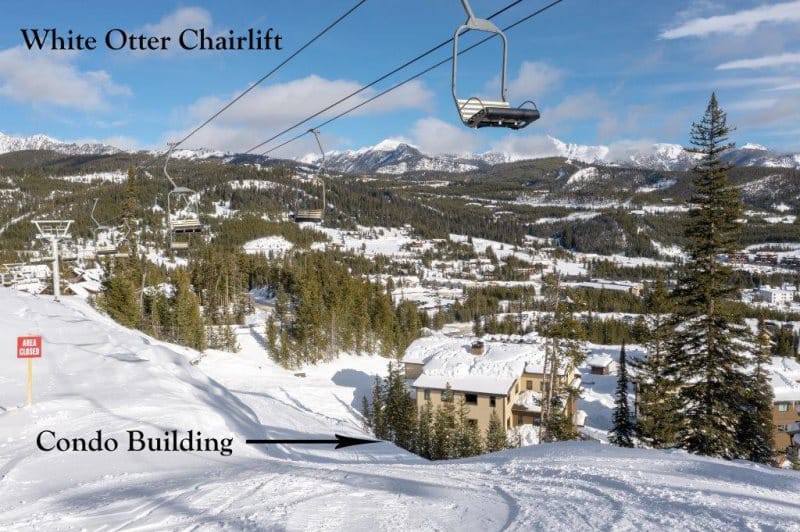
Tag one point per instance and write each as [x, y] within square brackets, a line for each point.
[769, 61]
[527, 147]
[535, 78]
[281, 104]
[266, 110]
[740, 23]
[173, 24]
[41, 77]
[435, 136]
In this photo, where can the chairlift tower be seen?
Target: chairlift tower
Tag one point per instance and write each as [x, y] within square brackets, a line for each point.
[54, 230]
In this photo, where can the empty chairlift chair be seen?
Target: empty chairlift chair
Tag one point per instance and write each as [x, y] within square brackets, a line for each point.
[477, 112]
[185, 222]
[102, 247]
[307, 213]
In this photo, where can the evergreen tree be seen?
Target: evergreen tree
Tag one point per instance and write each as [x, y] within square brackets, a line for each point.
[281, 306]
[755, 422]
[707, 355]
[378, 419]
[559, 425]
[425, 431]
[622, 433]
[656, 418]
[189, 323]
[271, 333]
[444, 426]
[496, 437]
[400, 409]
[120, 299]
[285, 350]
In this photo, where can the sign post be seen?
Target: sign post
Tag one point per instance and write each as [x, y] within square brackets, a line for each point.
[29, 347]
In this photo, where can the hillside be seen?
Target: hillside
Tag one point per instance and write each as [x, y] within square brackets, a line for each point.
[97, 375]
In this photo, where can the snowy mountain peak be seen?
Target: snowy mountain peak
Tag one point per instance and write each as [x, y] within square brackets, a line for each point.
[43, 142]
[752, 146]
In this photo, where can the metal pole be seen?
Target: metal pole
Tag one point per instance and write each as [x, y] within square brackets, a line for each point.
[56, 272]
[30, 382]
[468, 9]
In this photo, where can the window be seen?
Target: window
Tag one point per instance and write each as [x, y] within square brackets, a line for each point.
[516, 389]
[529, 385]
[783, 407]
[520, 420]
[472, 422]
[427, 394]
[492, 401]
[471, 398]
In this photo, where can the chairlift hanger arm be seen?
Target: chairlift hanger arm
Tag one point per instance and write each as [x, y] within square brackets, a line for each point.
[315, 131]
[166, 162]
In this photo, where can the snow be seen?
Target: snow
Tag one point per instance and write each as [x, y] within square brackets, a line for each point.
[785, 378]
[601, 360]
[372, 240]
[753, 146]
[448, 361]
[277, 245]
[659, 185]
[117, 176]
[583, 175]
[568, 218]
[97, 375]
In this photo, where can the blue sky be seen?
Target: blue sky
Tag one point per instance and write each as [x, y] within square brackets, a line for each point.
[621, 73]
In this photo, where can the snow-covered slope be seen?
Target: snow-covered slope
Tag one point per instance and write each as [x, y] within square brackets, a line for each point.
[43, 142]
[96, 375]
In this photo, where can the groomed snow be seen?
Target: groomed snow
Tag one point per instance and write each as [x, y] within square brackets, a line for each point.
[97, 375]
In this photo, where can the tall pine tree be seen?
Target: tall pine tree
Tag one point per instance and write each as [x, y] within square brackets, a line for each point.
[623, 431]
[707, 356]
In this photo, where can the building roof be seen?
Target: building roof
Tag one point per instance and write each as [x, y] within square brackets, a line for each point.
[600, 360]
[448, 360]
[785, 378]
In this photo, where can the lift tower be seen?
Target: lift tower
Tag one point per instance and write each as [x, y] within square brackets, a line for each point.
[54, 230]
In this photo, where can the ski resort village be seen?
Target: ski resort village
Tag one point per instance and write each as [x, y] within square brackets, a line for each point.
[273, 267]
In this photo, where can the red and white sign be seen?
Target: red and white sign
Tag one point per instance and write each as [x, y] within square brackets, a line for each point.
[29, 347]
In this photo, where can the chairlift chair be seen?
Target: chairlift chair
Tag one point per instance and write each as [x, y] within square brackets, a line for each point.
[314, 215]
[107, 248]
[181, 227]
[477, 112]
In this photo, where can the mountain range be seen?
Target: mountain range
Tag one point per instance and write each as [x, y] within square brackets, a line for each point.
[396, 158]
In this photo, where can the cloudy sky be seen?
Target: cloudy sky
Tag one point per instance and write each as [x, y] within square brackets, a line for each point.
[617, 72]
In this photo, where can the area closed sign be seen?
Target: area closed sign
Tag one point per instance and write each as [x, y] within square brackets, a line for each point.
[29, 347]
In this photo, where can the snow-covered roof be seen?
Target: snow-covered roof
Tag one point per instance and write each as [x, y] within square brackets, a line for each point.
[448, 360]
[600, 360]
[785, 378]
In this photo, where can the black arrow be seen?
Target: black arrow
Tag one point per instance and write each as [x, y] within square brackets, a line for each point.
[340, 441]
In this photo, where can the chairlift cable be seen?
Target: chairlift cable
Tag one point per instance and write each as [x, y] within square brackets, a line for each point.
[270, 73]
[373, 83]
[412, 78]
